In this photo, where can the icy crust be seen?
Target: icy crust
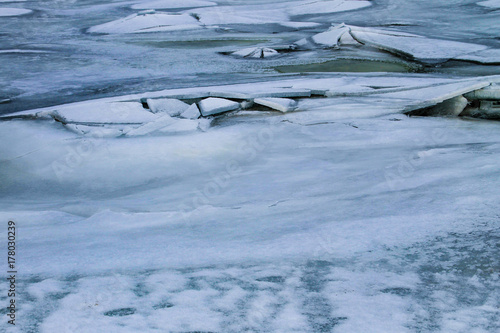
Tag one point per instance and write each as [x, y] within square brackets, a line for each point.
[14, 11]
[148, 21]
[315, 99]
[172, 4]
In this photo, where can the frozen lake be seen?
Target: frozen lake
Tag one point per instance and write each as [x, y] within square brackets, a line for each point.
[314, 205]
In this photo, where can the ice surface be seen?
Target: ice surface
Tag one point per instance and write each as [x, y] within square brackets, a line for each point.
[172, 4]
[135, 254]
[14, 11]
[280, 104]
[214, 105]
[173, 107]
[148, 22]
[343, 216]
[415, 47]
[256, 52]
[328, 6]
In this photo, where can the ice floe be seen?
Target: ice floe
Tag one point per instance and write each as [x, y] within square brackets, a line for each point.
[280, 104]
[172, 4]
[148, 21]
[427, 50]
[213, 105]
[14, 11]
[256, 52]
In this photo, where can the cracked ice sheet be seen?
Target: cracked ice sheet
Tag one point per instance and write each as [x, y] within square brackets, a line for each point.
[124, 258]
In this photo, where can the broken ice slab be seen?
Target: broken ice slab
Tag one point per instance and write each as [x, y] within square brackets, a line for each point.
[173, 107]
[279, 104]
[212, 106]
[152, 126]
[324, 7]
[148, 22]
[282, 93]
[451, 107]
[415, 47]
[192, 112]
[165, 124]
[103, 113]
[230, 94]
[173, 4]
[256, 52]
[329, 38]
[430, 96]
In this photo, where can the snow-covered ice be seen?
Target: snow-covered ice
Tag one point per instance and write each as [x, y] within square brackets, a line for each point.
[148, 21]
[280, 104]
[4, 11]
[413, 46]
